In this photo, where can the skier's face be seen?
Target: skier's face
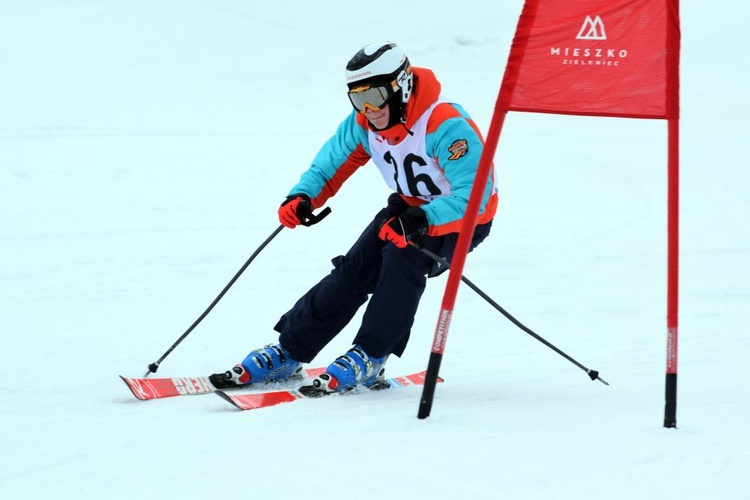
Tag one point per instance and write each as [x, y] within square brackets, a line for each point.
[379, 119]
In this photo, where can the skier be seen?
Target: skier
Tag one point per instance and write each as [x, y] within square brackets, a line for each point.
[427, 149]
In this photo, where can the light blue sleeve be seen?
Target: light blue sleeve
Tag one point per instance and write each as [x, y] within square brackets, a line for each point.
[459, 172]
[343, 153]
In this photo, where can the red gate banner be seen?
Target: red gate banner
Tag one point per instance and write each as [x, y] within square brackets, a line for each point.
[595, 57]
[585, 57]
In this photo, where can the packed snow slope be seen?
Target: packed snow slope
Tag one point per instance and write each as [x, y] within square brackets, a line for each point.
[144, 149]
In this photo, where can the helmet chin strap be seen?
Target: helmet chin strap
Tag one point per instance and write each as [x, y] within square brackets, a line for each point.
[402, 118]
[396, 110]
[396, 114]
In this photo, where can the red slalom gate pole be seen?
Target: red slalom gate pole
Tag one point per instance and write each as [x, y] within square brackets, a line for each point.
[673, 210]
[459, 258]
[673, 252]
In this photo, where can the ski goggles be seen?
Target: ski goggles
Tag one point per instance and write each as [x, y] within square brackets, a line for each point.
[374, 97]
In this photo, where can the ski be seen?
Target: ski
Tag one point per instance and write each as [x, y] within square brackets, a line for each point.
[264, 399]
[156, 388]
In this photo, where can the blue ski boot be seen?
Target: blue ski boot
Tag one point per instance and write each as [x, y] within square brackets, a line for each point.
[267, 364]
[347, 371]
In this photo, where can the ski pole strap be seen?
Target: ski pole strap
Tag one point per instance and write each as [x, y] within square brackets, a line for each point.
[313, 219]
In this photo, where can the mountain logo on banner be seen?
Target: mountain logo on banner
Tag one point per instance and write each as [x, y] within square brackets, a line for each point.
[592, 29]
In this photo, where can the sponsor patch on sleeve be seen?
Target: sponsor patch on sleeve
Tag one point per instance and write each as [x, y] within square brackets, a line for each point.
[458, 149]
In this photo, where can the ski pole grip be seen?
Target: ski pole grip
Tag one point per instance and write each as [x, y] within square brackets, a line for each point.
[315, 218]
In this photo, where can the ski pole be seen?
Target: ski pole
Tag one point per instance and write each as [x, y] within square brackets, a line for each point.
[593, 374]
[311, 219]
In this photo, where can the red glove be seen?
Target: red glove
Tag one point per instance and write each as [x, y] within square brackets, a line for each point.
[295, 210]
[406, 228]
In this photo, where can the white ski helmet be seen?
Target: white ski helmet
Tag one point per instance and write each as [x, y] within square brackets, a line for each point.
[383, 64]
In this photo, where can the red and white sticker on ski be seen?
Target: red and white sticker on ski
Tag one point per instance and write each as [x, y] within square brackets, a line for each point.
[264, 399]
[155, 388]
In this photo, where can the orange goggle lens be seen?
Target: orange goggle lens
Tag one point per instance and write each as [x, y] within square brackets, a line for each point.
[373, 97]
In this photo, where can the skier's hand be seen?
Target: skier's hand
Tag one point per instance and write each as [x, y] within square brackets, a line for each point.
[406, 228]
[396, 204]
[295, 210]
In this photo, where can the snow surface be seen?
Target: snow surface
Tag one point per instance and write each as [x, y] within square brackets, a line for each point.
[144, 148]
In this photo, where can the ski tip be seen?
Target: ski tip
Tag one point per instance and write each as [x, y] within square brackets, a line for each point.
[132, 389]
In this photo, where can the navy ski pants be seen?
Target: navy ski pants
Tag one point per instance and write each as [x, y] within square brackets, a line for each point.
[394, 278]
